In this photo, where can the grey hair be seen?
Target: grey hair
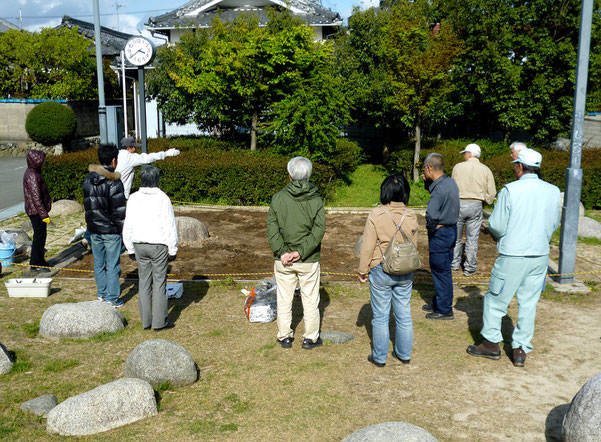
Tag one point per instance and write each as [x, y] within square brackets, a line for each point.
[300, 168]
[149, 176]
[435, 161]
[517, 146]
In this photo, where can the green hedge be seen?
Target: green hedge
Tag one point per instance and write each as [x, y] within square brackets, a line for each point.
[201, 175]
[50, 123]
[497, 157]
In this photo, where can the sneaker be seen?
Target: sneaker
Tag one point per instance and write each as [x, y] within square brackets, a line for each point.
[309, 344]
[118, 303]
[100, 299]
[286, 342]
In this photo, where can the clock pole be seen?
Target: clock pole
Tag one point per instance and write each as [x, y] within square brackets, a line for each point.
[142, 107]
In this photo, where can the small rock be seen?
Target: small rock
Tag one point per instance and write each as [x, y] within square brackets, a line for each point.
[106, 407]
[562, 144]
[391, 431]
[589, 228]
[65, 207]
[159, 360]
[190, 229]
[40, 405]
[580, 208]
[26, 225]
[582, 422]
[358, 246]
[336, 337]
[80, 320]
[6, 361]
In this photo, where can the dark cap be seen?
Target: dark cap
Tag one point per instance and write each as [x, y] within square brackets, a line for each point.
[129, 142]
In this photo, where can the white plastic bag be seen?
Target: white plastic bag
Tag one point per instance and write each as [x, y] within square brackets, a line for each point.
[261, 302]
[7, 240]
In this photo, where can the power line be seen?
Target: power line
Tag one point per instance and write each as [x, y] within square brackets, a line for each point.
[84, 15]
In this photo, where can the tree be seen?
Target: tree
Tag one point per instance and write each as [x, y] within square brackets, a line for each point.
[53, 63]
[239, 75]
[419, 59]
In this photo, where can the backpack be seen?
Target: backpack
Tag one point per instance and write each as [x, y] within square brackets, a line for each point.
[399, 258]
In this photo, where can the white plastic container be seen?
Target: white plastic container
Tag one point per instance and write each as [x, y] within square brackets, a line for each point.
[28, 287]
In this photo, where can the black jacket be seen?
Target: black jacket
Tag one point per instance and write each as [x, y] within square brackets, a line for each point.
[104, 200]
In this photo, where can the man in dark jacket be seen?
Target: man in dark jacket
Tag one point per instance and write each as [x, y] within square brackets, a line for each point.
[37, 206]
[296, 223]
[104, 201]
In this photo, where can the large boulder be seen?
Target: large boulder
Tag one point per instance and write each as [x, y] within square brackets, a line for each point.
[40, 405]
[109, 406]
[390, 431]
[582, 422]
[190, 229]
[6, 361]
[65, 207]
[80, 320]
[580, 208]
[158, 361]
[589, 228]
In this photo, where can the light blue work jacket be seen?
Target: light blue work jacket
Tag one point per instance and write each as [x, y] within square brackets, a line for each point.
[525, 216]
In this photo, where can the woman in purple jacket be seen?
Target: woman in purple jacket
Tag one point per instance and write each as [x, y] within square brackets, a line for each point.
[37, 206]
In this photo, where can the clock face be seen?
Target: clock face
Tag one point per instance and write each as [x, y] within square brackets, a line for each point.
[139, 51]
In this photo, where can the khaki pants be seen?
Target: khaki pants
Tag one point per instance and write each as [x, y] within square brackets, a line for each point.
[307, 276]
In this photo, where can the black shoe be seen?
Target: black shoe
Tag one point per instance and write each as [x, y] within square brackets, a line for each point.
[370, 358]
[147, 328]
[40, 269]
[436, 315]
[166, 327]
[286, 342]
[427, 308]
[309, 345]
[519, 357]
[404, 361]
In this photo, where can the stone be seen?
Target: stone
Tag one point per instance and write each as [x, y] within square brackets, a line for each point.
[336, 337]
[26, 225]
[562, 144]
[108, 406]
[358, 246]
[190, 229]
[6, 360]
[65, 207]
[580, 208]
[390, 431]
[80, 320]
[158, 361]
[41, 405]
[589, 228]
[582, 422]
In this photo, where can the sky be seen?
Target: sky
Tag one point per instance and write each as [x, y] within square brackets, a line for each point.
[124, 15]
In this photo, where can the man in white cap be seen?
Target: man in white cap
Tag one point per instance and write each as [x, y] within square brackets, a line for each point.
[128, 160]
[476, 188]
[525, 216]
[515, 147]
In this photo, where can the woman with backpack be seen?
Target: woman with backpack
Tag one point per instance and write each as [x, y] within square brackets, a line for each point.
[392, 224]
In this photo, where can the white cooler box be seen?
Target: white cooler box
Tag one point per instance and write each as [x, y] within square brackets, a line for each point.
[28, 287]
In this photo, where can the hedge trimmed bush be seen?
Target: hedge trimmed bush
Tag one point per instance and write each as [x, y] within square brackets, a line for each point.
[497, 157]
[206, 175]
[51, 123]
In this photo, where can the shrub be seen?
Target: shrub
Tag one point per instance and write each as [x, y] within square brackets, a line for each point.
[50, 123]
[346, 157]
[207, 175]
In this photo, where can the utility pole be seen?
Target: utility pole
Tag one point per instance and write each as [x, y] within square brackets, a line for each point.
[571, 202]
[117, 6]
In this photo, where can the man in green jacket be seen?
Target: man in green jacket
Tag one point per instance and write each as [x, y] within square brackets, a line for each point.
[296, 223]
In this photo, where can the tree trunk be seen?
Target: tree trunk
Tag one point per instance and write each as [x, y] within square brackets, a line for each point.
[418, 148]
[253, 131]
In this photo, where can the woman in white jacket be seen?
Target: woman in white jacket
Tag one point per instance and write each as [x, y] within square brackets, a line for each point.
[150, 233]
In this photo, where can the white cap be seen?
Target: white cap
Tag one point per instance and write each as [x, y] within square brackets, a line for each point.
[474, 149]
[529, 157]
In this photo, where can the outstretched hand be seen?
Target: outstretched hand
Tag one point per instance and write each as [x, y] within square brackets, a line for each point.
[172, 153]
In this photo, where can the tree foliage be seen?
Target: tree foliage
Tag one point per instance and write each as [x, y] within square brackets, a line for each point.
[274, 80]
[52, 63]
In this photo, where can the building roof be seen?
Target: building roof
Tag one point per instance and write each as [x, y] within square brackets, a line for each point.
[5, 25]
[112, 42]
[200, 13]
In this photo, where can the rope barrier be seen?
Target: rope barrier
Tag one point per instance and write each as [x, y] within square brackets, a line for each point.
[354, 275]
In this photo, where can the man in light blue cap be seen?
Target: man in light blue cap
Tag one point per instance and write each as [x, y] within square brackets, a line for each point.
[525, 216]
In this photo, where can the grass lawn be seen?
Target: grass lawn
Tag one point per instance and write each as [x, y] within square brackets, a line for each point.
[363, 189]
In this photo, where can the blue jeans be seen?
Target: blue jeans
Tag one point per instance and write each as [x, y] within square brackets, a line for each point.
[386, 289]
[106, 249]
[441, 243]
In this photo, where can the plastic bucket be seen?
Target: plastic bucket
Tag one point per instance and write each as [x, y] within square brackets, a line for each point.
[7, 255]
